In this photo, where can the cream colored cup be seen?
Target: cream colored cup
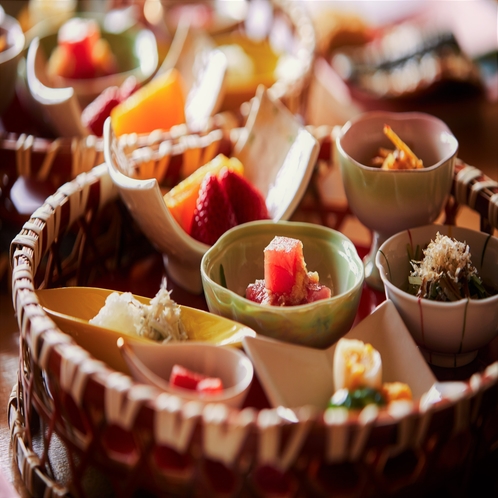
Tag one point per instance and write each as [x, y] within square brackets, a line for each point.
[389, 201]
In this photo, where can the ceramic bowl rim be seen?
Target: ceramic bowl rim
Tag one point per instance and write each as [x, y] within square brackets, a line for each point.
[396, 116]
[206, 279]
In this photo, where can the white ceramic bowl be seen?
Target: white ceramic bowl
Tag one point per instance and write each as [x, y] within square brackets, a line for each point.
[278, 155]
[9, 58]
[152, 364]
[388, 201]
[238, 254]
[448, 333]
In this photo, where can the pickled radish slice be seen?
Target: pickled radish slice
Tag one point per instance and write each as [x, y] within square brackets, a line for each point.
[286, 279]
[356, 364]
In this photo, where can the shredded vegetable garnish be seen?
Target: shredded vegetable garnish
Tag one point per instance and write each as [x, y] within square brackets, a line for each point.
[446, 272]
[400, 158]
[163, 319]
[159, 321]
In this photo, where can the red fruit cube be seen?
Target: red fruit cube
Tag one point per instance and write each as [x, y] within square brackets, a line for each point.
[257, 292]
[284, 266]
[210, 385]
[317, 291]
[188, 379]
[185, 378]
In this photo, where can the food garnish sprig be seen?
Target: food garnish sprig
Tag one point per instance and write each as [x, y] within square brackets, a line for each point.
[400, 158]
[358, 378]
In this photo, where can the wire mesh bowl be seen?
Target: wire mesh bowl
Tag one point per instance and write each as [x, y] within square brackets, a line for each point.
[81, 429]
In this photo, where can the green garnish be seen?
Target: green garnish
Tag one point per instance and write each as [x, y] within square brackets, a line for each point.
[223, 280]
[446, 272]
[356, 399]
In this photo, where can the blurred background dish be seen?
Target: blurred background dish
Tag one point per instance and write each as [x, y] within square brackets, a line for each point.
[410, 57]
[132, 52]
[58, 106]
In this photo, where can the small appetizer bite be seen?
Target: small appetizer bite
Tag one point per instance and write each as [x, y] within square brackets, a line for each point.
[215, 198]
[157, 105]
[358, 382]
[286, 282]
[81, 52]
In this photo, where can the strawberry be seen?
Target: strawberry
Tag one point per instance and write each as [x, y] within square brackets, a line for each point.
[129, 86]
[95, 113]
[213, 213]
[247, 201]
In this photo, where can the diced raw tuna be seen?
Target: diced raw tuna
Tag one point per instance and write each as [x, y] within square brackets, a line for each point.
[257, 291]
[317, 291]
[286, 282]
[284, 265]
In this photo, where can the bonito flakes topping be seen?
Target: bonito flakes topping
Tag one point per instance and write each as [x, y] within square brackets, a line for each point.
[446, 272]
[445, 255]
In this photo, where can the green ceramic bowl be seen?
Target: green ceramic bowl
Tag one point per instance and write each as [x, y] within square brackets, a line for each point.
[237, 259]
[134, 48]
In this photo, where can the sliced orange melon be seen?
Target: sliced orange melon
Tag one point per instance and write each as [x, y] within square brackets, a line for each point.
[181, 199]
[159, 104]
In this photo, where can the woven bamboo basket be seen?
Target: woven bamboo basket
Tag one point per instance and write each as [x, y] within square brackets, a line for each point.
[81, 429]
